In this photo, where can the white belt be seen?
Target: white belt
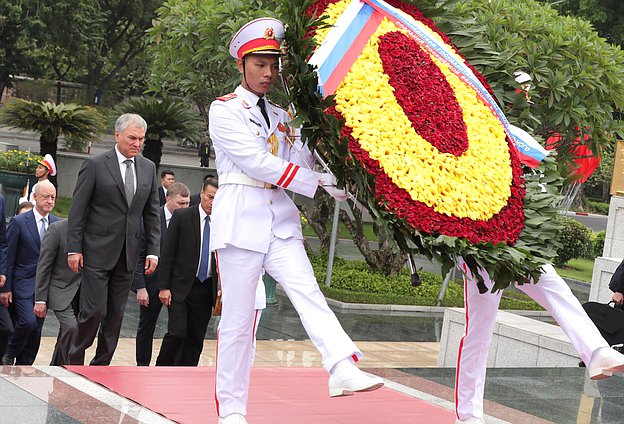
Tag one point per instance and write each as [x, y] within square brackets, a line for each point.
[244, 179]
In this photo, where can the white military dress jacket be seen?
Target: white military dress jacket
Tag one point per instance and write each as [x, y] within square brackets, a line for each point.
[251, 156]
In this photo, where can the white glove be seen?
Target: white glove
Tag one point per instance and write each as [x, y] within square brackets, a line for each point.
[337, 193]
[326, 179]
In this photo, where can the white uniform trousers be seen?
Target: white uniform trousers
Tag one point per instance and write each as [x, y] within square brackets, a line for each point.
[552, 293]
[239, 270]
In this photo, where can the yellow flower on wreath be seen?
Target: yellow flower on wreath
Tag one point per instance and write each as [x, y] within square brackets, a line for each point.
[474, 185]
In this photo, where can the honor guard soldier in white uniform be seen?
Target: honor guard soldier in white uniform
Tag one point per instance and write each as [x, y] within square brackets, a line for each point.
[554, 295]
[256, 225]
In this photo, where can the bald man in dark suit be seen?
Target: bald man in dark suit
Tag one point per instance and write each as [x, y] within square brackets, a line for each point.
[55, 288]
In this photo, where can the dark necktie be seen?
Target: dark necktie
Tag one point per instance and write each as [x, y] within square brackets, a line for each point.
[262, 107]
[129, 183]
[202, 274]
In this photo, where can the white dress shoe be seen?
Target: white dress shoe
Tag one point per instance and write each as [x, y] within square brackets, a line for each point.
[471, 420]
[233, 419]
[604, 362]
[353, 380]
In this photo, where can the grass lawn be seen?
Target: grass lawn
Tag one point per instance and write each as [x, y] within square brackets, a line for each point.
[61, 207]
[578, 269]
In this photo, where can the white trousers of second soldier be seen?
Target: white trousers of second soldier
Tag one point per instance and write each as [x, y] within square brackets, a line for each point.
[551, 292]
[239, 271]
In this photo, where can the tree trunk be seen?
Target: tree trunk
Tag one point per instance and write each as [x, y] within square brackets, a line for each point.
[318, 218]
[3, 85]
[153, 150]
[90, 90]
[606, 188]
[385, 258]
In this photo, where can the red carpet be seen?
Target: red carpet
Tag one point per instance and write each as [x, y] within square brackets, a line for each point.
[278, 395]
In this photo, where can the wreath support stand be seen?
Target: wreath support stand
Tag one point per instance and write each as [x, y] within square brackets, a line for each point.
[332, 244]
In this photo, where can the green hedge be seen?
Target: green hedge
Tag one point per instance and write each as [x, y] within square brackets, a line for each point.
[354, 282]
[598, 242]
[575, 239]
[597, 207]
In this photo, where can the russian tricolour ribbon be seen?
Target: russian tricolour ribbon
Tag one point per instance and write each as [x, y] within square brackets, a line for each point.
[346, 40]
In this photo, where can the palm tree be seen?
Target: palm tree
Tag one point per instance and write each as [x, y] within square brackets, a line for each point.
[165, 118]
[76, 122]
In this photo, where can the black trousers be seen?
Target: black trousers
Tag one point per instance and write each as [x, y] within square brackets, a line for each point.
[186, 329]
[148, 317]
[6, 329]
[103, 298]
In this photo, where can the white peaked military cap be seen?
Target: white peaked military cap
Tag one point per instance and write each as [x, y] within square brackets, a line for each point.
[48, 162]
[260, 36]
[522, 77]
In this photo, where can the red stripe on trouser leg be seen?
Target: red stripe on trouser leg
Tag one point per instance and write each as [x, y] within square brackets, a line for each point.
[253, 329]
[292, 176]
[461, 342]
[216, 362]
[240, 271]
[217, 344]
[285, 174]
[472, 364]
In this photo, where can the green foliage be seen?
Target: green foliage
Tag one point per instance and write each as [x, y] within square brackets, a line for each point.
[165, 118]
[598, 241]
[18, 49]
[189, 46]
[19, 161]
[78, 123]
[575, 240]
[503, 262]
[578, 78]
[597, 207]
[607, 16]
[355, 282]
[95, 42]
[356, 277]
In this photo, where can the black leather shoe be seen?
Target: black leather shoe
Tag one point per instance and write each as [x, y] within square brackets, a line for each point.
[8, 360]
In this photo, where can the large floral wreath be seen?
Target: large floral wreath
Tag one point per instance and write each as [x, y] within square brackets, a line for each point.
[422, 150]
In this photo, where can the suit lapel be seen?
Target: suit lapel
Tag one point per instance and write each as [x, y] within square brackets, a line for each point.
[163, 226]
[113, 168]
[31, 223]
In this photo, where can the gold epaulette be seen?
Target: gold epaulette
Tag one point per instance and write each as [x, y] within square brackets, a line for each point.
[227, 97]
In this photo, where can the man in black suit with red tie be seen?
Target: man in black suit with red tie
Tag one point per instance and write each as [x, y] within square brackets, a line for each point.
[187, 281]
[145, 286]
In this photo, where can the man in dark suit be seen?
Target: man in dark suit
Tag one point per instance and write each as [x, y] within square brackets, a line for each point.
[6, 325]
[115, 194]
[195, 198]
[24, 237]
[55, 288]
[187, 281]
[167, 178]
[146, 286]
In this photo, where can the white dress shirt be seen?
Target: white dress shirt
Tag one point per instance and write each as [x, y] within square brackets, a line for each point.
[122, 167]
[202, 223]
